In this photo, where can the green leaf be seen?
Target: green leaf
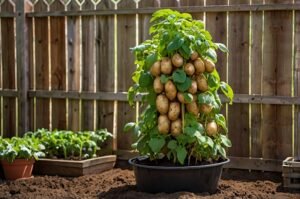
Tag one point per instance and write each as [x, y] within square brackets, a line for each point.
[225, 141]
[129, 126]
[209, 141]
[164, 79]
[222, 47]
[156, 144]
[211, 53]
[179, 76]
[227, 90]
[172, 144]
[131, 94]
[181, 154]
[150, 59]
[206, 98]
[188, 97]
[182, 87]
[175, 44]
[221, 121]
[151, 97]
[145, 80]
[221, 150]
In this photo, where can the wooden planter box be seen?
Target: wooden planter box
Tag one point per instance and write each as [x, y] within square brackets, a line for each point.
[74, 168]
[291, 173]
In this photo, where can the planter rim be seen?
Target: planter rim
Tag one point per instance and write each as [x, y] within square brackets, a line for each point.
[133, 163]
[18, 161]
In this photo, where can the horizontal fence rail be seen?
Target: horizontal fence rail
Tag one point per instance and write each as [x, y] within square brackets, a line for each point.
[67, 65]
[190, 9]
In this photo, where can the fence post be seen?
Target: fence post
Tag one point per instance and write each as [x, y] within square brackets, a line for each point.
[22, 67]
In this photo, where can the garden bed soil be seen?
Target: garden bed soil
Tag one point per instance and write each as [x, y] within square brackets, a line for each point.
[118, 183]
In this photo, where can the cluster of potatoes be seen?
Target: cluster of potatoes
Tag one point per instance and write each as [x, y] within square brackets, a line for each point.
[169, 99]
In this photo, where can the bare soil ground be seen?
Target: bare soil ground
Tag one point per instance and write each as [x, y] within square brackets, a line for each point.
[120, 183]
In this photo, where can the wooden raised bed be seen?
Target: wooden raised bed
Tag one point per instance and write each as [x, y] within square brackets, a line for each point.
[74, 168]
[291, 173]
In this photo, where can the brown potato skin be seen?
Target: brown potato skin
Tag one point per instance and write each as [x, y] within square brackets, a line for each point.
[170, 90]
[209, 66]
[174, 111]
[193, 89]
[202, 83]
[163, 124]
[177, 60]
[199, 66]
[157, 85]
[162, 104]
[166, 66]
[155, 69]
[194, 56]
[176, 127]
[189, 69]
[193, 108]
[205, 108]
[180, 98]
[211, 128]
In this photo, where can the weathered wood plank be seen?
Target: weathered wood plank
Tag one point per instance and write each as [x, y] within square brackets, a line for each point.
[105, 71]
[277, 125]
[8, 45]
[216, 24]
[193, 9]
[8, 93]
[238, 78]
[88, 67]
[58, 66]
[144, 19]
[235, 162]
[122, 96]
[73, 75]
[31, 68]
[126, 38]
[256, 81]
[199, 15]
[22, 68]
[297, 82]
[42, 66]
[273, 165]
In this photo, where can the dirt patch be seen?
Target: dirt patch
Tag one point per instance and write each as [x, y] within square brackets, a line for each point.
[120, 183]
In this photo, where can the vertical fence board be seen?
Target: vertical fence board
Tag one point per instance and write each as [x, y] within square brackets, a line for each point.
[73, 37]
[22, 67]
[126, 38]
[144, 19]
[31, 72]
[58, 66]
[256, 83]
[197, 16]
[88, 70]
[297, 81]
[277, 62]
[216, 24]
[238, 74]
[105, 69]
[42, 66]
[8, 70]
[167, 3]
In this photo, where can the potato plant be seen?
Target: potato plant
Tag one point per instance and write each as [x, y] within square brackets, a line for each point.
[176, 71]
[69, 144]
[20, 148]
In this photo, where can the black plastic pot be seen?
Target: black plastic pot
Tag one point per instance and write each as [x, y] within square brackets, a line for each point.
[155, 179]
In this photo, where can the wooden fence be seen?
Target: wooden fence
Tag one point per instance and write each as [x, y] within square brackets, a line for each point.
[66, 64]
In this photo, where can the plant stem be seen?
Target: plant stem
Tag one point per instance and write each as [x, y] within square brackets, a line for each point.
[182, 115]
